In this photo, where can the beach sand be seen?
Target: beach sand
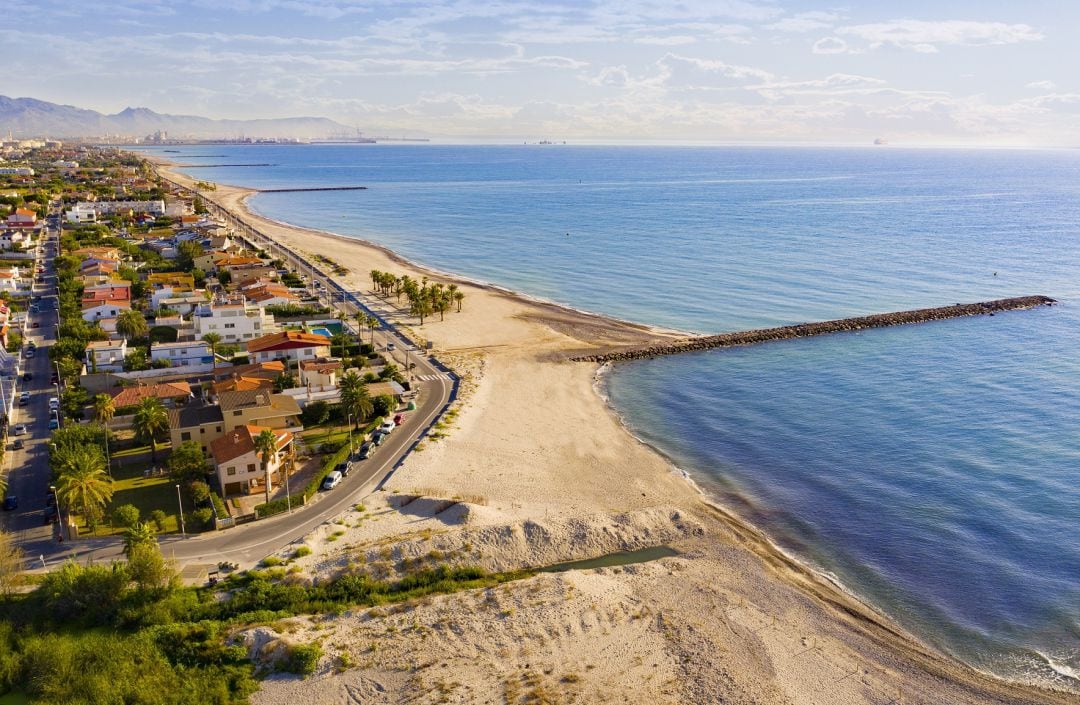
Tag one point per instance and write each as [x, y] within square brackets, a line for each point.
[544, 472]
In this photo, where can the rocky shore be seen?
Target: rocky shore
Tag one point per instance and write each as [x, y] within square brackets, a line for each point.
[805, 330]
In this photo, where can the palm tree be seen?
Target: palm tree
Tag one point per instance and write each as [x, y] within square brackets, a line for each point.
[373, 324]
[151, 420]
[459, 296]
[82, 483]
[104, 409]
[131, 324]
[342, 340]
[212, 339]
[141, 532]
[355, 398]
[266, 446]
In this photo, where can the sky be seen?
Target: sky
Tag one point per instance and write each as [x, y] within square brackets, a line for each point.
[990, 72]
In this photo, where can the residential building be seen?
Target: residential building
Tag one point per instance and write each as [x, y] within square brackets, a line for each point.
[319, 375]
[123, 207]
[183, 304]
[239, 464]
[246, 378]
[106, 355]
[15, 240]
[22, 218]
[182, 354]
[206, 261]
[16, 171]
[196, 422]
[171, 394]
[249, 274]
[233, 319]
[289, 345]
[105, 302]
[269, 294]
[259, 407]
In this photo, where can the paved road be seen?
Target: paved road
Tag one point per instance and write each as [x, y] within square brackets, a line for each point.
[28, 469]
[248, 543]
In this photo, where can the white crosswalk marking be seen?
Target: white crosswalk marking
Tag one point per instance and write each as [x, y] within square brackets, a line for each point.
[432, 378]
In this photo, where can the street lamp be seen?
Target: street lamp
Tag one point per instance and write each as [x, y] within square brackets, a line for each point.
[350, 435]
[59, 512]
[183, 531]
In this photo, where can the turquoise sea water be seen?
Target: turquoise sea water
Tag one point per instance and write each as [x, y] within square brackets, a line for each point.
[934, 470]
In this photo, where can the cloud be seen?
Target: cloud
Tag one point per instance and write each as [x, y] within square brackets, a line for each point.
[805, 22]
[927, 37]
[830, 45]
[1042, 85]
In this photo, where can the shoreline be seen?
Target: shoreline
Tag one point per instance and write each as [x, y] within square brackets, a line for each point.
[813, 583]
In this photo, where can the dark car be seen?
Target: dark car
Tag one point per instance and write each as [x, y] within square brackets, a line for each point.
[11, 502]
[49, 516]
[344, 468]
[378, 438]
[27, 376]
[365, 450]
[35, 324]
[18, 444]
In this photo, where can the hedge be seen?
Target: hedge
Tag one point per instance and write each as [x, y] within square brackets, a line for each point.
[219, 506]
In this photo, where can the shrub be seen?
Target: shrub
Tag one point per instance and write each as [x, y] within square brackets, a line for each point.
[271, 561]
[219, 506]
[126, 515]
[302, 551]
[303, 659]
[200, 492]
[158, 517]
[203, 517]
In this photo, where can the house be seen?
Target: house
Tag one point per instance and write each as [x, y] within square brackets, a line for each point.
[259, 407]
[81, 213]
[221, 243]
[177, 281]
[182, 354]
[239, 464]
[9, 279]
[22, 218]
[105, 302]
[196, 422]
[233, 319]
[15, 240]
[389, 388]
[289, 345]
[171, 394]
[249, 274]
[99, 270]
[246, 378]
[319, 375]
[206, 260]
[123, 207]
[103, 253]
[184, 304]
[266, 294]
[106, 355]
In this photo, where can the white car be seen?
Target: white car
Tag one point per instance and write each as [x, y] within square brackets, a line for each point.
[386, 427]
[332, 480]
[19, 430]
[54, 403]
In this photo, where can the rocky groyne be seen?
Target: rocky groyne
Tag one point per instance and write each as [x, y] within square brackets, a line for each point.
[805, 330]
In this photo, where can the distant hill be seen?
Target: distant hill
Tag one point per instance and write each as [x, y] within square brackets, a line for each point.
[28, 117]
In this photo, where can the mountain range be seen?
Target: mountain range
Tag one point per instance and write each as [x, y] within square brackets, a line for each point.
[29, 117]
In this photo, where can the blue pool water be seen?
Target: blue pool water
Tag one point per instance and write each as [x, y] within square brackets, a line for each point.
[934, 470]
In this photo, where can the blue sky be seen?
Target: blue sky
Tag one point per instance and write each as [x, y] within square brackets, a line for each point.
[958, 72]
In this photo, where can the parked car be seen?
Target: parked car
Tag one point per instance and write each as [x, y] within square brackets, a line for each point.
[365, 450]
[399, 419]
[54, 403]
[54, 424]
[18, 444]
[29, 353]
[378, 438]
[386, 427]
[19, 430]
[33, 307]
[332, 480]
[344, 468]
[11, 502]
[49, 516]
[390, 347]
[27, 376]
[35, 324]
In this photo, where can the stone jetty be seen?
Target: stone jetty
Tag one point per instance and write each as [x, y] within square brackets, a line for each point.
[805, 330]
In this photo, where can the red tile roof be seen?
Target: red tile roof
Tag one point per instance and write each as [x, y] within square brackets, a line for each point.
[286, 340]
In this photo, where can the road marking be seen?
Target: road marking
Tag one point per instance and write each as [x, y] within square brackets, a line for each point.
[432, 378]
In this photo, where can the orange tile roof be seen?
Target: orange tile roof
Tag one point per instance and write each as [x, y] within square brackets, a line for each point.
[286, 340]
[241, 441]
[106, 294]
[133, 395]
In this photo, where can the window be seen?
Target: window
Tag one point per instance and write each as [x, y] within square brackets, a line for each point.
[230, 471]
[238, 412]
[202, 430]
[219, 429]
[230, 325]
[185, 436]
[251, 467]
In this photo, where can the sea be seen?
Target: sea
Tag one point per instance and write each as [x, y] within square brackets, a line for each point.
[932, 470]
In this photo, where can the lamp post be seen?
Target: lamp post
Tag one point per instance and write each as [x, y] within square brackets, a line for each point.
[59, 512]
[183, 530]
[350, 435]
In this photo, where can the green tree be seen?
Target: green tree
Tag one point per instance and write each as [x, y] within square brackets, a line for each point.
[83, 483]
[104, 410]
[138, 533]
[285, 380]
[266, 447]
[131, 324]
[315, 413]
[383, 405]
[150, 423]
[148, 569]
[355, 398]
[213, 340]
[186, 252]
[342, 340]
[126, 515]
[187, 463]
[459, 296]
[11, 565]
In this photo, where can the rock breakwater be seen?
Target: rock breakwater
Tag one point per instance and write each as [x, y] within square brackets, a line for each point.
[805, 330]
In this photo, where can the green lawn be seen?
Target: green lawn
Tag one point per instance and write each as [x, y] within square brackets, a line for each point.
[146, 493]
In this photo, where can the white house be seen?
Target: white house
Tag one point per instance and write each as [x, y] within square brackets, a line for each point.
[16, 171]
[81, 213]
[111, 207]
[233, 320]
[239, 463]
[106, 355]
[181, 354]
[289, 345]
[22, 218]
[16, 240]
[9, 279]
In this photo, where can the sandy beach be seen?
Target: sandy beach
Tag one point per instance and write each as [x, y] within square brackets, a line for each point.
[535, 469]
